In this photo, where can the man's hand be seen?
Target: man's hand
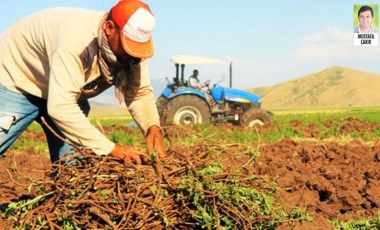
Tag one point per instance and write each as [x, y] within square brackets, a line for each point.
[155, 140]
[128, 154]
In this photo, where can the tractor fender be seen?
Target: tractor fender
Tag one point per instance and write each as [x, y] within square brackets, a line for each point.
[169, 94]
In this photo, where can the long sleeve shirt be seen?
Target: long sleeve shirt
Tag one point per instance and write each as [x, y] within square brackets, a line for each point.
[53, 54]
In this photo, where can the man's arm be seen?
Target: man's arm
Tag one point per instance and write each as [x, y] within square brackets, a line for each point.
[139, 98]
[66, 78]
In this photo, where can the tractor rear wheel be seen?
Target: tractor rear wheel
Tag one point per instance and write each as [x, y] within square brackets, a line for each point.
[255, 117]
[188, 109]
[162, 104]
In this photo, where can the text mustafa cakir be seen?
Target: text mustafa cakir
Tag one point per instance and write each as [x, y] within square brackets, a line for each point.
[366, 38]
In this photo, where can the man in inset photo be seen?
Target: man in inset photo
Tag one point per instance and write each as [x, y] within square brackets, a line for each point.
[365, 20]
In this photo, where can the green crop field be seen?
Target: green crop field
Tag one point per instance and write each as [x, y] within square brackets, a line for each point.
[371, 114]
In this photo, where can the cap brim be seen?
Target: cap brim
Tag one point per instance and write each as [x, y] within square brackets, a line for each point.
[137, 49]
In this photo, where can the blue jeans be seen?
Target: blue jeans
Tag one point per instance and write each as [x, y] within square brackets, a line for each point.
[18, 111]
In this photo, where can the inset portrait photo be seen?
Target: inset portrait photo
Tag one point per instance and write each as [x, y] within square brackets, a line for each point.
[366, 19]
[366, 24]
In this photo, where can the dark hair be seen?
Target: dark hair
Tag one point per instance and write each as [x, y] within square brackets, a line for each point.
[109, 17]
[365, 8]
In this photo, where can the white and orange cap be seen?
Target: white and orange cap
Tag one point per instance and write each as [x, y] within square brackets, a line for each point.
[136, 22]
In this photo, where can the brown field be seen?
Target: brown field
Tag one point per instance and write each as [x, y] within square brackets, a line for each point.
[330, 178]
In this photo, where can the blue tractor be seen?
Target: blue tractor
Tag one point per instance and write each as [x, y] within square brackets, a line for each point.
[182, 104]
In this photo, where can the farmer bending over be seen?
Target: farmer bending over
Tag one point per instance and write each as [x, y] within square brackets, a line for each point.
[53, 61]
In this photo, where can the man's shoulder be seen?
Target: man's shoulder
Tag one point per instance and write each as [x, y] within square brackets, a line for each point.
[63, 15]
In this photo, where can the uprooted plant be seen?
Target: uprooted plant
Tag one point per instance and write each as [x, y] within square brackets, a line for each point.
[189, 189]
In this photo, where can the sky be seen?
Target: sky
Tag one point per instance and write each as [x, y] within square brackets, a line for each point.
[268, 42]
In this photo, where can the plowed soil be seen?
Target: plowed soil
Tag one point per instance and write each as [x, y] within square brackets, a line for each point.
[331, 179]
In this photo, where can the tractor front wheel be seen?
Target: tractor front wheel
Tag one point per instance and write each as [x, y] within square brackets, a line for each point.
[188, 109]
[255, 117]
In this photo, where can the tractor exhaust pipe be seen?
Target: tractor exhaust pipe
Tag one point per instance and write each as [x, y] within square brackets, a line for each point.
[182, 73]
[231, 75]
[179, 73]
[176, 73]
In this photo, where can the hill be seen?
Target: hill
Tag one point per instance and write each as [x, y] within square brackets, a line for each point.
[333, 87]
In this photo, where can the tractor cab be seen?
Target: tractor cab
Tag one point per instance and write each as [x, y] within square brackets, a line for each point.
[180, 61]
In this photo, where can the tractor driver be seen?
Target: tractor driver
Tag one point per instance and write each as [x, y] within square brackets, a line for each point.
[194, 81]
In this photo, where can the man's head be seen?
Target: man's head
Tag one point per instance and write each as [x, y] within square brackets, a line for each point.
[365, 16]
[129, 29]
[195, 73]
